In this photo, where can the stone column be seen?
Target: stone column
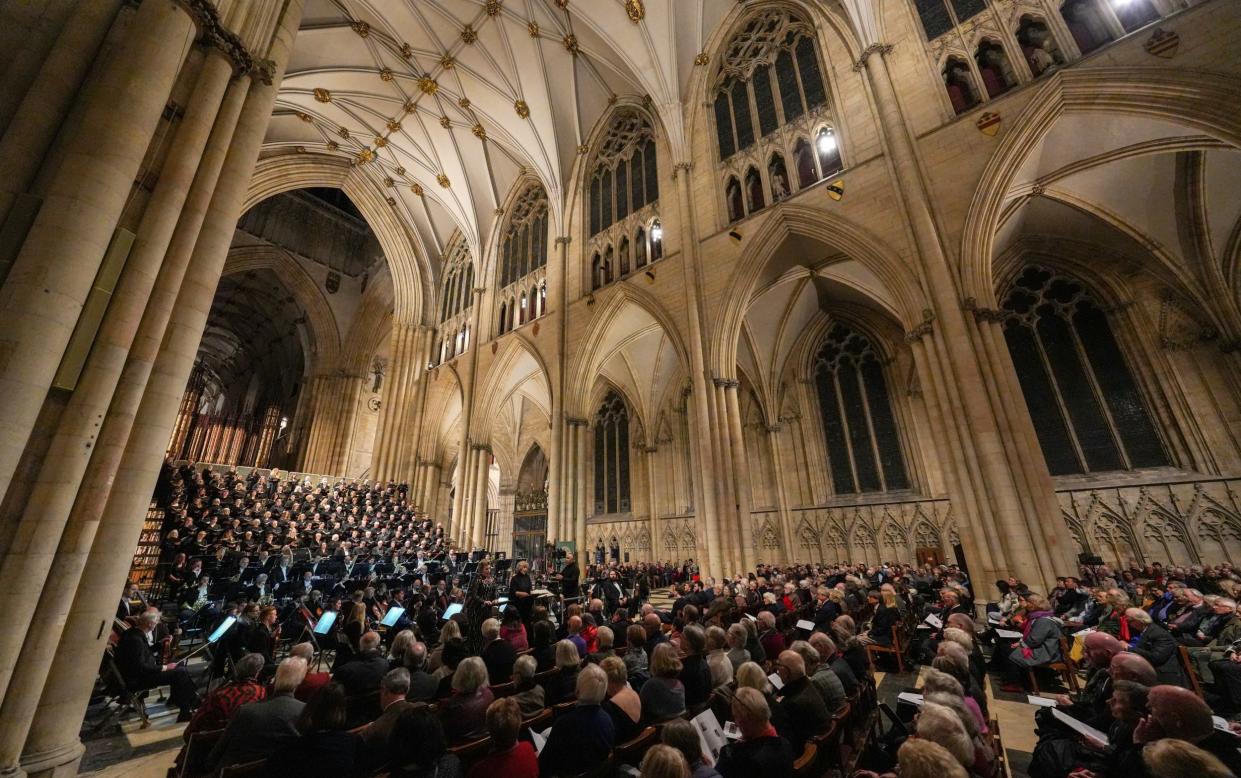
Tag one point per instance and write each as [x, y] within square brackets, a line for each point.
[410, 432]
[782, 497]
[395, 390]
[52, 747]
[1026, 545]
[26, 566]
[706, 483]
[741, 476]
[52, 275]
[649, 457]
[580, 430]
[479, 522]
[730, 529]
[50, 96]
[505, 520]
[566, 474]
[557, 486]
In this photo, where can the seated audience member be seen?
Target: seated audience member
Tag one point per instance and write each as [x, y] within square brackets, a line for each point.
[683, 736]
[953, 661]
[695, 675]
[830, 656]
[770, 639]
[604, 638]
[509, 757]
[325, 747]
[919, 758]
[263, 727]
[454, 652]
[844, 632]
[559, 687]
[721, 668]
[934, 682]
[449, 632]
[1181, 714]
[760, 751]
[825, 682]
[737, 639]
[1156, 645]
[419, 748]
[513, 631]
[574, 635]
[465, 712]
[960, 630]
[636, 660]
[984, 762]
[544, 645]
[399, 648]
[422, 684]
[1171, 758]
[497, 653]
[622, 702]
[800, 705]
[663, 761]
[585, 735]
[885, 616]
[1040, 639]
[135, 659]
[313, 682]
[392, 692]
[663, 695]
[361, 675]
[526, 693]
[942, 725]
[218, 709]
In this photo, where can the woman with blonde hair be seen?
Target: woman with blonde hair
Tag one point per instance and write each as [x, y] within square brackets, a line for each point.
[664, 762]
[561, 685]
[465, 712]
[920, 758]
[1173, 758]
[663, 696]
[450, 631]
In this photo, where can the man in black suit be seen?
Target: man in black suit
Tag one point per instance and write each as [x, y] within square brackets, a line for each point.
[1156, 645]
[135, 658]
[568, 578]
[361, 675]
[260, 728]
[498, 654]
[801, 712]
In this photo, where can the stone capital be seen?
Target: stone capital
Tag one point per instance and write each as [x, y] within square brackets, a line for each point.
[563, 240]
[882, 49]
[213, 34]
[922, 330]
[970, 305]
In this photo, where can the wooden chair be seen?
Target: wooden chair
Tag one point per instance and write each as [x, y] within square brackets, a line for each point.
[192, 760]
[804, 767]
[246, 770]
[897, 648]
[472, 751]
[631, 751]
[1191, 672]
[538, 721]
[504, 689]
[1065, 667]
[997, 745]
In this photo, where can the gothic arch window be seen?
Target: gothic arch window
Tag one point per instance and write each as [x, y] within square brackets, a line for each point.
[769, 96]
[523, 247]
[863, 445]
[1087, 24]
[625, 173]
[612, 456]
[456, 292]
[959, 82]
[997, 74]
[1038, 46]
[754, 190]
[803, 159]
[639, 249]
[1090, 415]
[829, 151]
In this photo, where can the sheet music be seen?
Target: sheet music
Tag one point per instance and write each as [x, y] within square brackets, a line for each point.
[776, 681]
[1008, 634]
[710, 733]
[910, 697]
[1034, 699]
[934, 621]
[540, 739]
[1079, 727]
[806, 625]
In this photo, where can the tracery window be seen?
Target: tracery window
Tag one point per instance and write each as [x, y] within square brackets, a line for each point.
[863, 445]
[523, 260]
[612, 456]
[1090, 415]
[770, 101]
[456, 299]
[624, 199]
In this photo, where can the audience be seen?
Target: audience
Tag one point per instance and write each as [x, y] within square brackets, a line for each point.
[683, 736]
[801, 708]
[663, 694]
[509, 757]
[498, 654]
[663, 761]
[419, 748]
[465, 712]
[219, 706]
[325, 746]
[760, 751]
[393, 690]
[264, 727]
[526, 693]
[559, 687]
[362, 673]
[622, 704]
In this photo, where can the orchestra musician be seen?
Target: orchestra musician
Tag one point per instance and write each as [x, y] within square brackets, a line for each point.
[520, 589]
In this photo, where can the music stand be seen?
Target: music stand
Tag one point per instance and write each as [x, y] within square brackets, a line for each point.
[390, 618]
[452, 610]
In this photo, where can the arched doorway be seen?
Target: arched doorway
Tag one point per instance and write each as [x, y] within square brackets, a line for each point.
[530, 509]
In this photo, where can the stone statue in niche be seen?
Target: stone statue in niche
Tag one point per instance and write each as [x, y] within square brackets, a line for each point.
[377, 374]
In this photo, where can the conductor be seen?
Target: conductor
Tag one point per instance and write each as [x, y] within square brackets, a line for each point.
[568, 578]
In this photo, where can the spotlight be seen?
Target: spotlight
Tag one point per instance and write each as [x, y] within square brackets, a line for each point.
[657, 232]
[827, 142]
[284, 422]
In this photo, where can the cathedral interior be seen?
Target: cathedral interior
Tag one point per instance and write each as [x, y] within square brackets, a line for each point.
[764, 282]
